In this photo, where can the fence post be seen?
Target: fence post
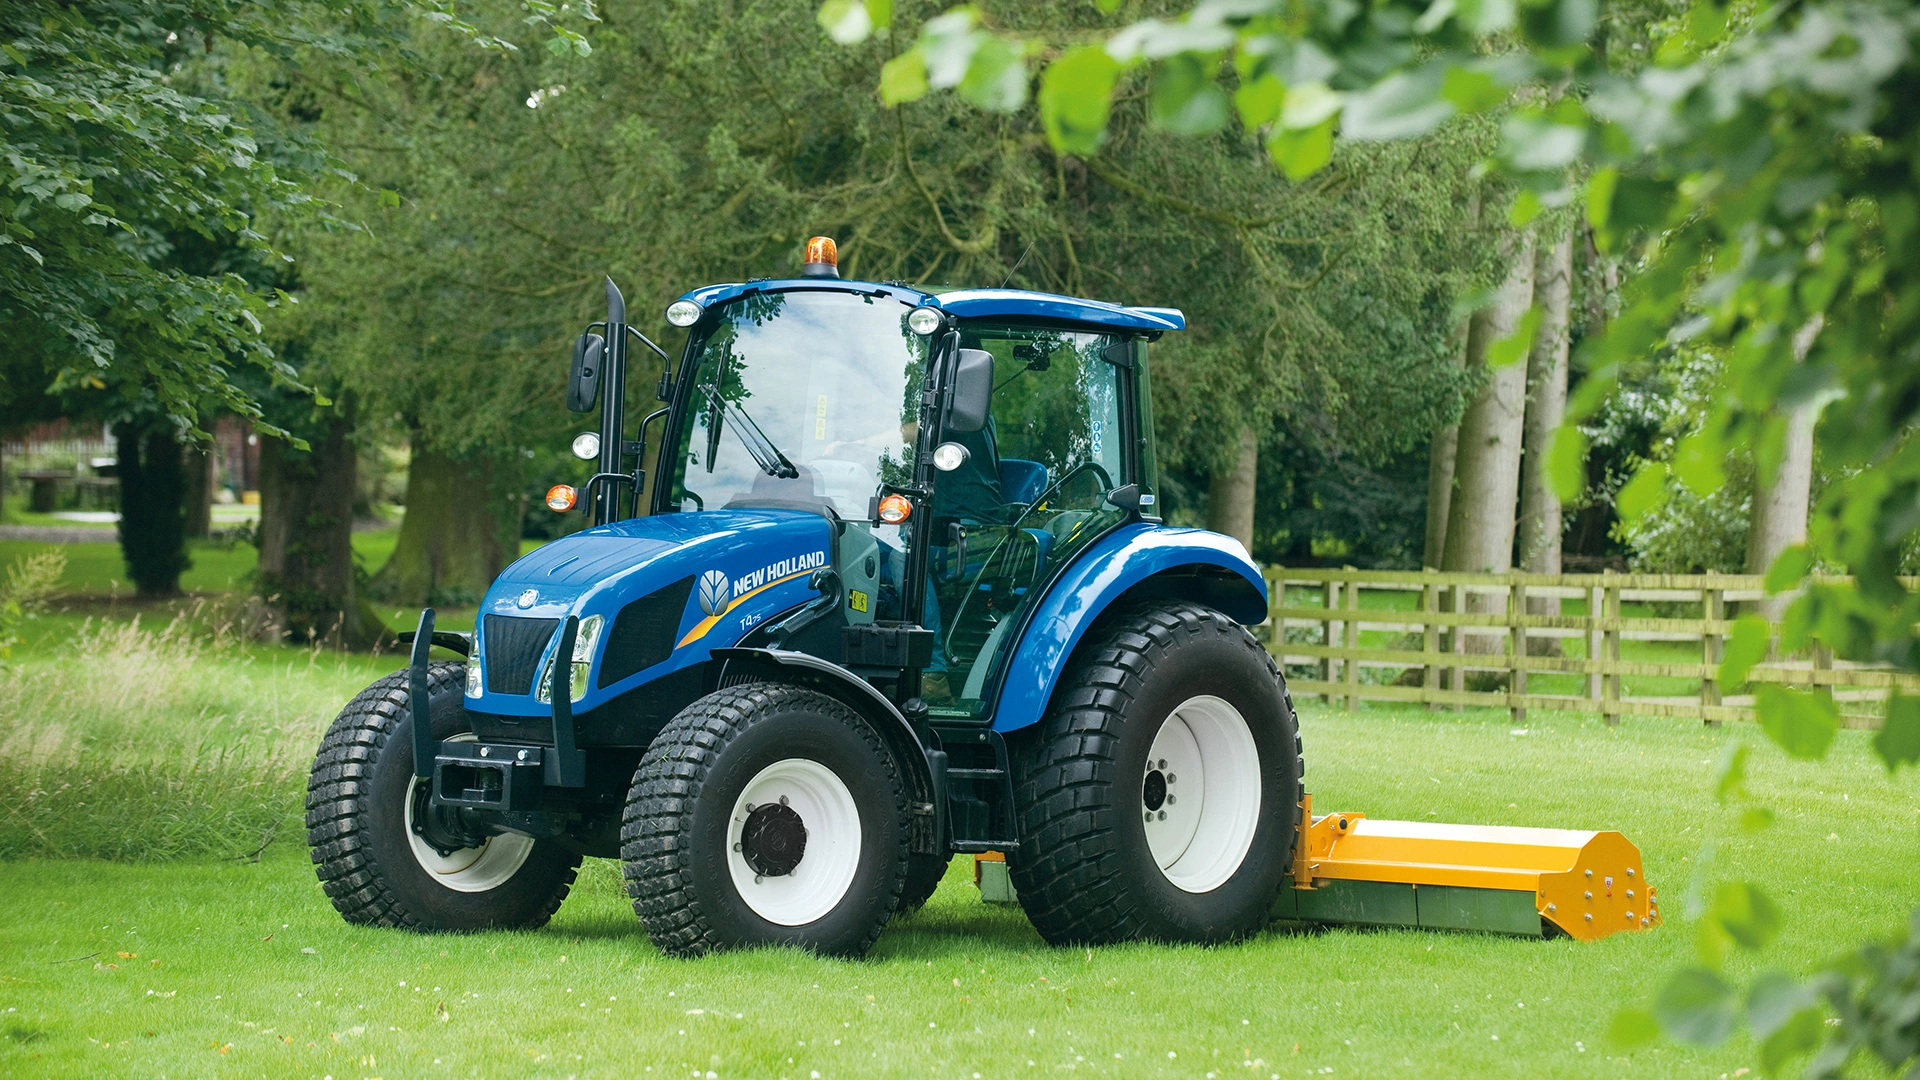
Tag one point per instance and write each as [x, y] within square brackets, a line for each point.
[1822, 661]
[1430, 644]
[1329, 596]
[1594, 594]
[1516, 672]
[1458, 640]
[1276, 599]
[1610, 686]
[1352, 671]
[1712, 648]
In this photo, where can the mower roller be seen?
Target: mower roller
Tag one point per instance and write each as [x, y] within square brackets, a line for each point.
[897, 588]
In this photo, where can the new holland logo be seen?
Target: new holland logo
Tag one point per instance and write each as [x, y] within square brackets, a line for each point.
[715, 590]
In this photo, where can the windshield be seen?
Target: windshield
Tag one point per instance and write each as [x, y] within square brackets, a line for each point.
[801, 399]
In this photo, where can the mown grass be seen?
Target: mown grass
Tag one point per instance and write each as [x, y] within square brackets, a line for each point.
[240, 968]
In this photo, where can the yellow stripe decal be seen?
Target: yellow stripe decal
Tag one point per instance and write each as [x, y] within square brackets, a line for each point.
[700, 628]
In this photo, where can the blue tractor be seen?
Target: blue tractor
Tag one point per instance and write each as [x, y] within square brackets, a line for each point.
[898, 589]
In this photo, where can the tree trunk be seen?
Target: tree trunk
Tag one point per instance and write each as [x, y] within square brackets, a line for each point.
[1230, 495]
[1480, 521]
[1779, 518]
[199, 479]
[1540, 521]
[1446, 442]
[306, 574]
[456, 537]
[153, 535]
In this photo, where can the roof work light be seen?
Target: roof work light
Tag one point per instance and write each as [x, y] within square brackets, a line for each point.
[823, 258]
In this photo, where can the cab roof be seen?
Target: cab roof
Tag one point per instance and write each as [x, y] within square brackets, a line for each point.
[970, 303]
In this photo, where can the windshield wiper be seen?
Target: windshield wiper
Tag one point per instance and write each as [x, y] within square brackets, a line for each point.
[765, 453]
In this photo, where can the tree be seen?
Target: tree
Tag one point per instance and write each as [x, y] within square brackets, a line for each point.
[153, 523]
[1480, 524]
[306, 573]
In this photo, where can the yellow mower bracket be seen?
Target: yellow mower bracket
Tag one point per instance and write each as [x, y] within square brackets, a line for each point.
[1349, 868]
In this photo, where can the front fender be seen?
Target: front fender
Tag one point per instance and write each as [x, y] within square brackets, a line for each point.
[1133, 560]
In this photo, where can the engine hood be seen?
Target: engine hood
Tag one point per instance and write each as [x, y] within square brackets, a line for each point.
[710, 576]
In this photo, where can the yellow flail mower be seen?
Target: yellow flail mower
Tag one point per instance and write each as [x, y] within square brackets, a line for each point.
[1349, 869]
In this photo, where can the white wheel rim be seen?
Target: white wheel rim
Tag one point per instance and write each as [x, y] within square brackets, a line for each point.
[469, 870]
[827, 865]
[1200, 822]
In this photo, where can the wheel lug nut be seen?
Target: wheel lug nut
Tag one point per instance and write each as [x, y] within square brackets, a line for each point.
[1163, 763]
[1171, 778]
[783, 800]
[736, 845]
[1163, 815]
[1171, 799]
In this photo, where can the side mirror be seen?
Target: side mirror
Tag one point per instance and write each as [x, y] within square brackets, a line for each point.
[972, 388]
[583, 388]
[1126, 497]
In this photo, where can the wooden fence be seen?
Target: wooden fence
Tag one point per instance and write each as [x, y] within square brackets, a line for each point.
[1479, 639]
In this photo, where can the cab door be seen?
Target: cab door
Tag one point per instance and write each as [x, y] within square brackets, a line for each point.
[1029, 495]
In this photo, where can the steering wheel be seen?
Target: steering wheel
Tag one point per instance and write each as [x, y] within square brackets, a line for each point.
[998, 589]
[1106, 484]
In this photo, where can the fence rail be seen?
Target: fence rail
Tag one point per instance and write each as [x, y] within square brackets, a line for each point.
[1453, 640]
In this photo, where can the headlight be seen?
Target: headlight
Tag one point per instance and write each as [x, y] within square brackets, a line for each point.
[923, 320]
[473, 677]
[683, 313]
[583, 642]
[949, 456]
[586, 446]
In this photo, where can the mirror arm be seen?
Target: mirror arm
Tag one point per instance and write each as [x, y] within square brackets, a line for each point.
[648, 342]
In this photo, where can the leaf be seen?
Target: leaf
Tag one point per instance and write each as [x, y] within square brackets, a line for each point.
[1732, 773]
[1470, 90]
[1789, 568]
[1308, 105]
[1400, 106]
[1745, 647]
[1747, 915]
[1258, 101]
[1696, 461]
[1567, 462]
[1640, 495]
[1183, 97]
[846, 21]
[1802, 723]
[1633, 1027]
[1076, 97]
[1514, 347]
[1799, 1035]
[1526, 207]
[996, 78]
[1696, 1007]
[1600, 195]
[1772, 1001]
[1898, 740]
[1300, 154]
[904, 78]
[1755, 818]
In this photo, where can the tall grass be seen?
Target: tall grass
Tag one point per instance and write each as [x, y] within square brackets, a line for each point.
[133, 743]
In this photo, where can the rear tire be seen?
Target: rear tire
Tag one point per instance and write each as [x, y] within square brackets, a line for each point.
[923, 877]
[1108, 851]
[765, 814]
[360, 802]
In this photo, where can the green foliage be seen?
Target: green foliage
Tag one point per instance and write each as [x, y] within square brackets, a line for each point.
[30, 580]
[1767, 168]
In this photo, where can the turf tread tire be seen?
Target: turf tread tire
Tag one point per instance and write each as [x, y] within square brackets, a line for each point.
[1069, 868]
[361, 889]
[656, 833]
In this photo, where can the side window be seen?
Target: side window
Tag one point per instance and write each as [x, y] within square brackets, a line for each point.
[1030, 495]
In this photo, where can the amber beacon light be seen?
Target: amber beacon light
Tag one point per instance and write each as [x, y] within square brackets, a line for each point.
[561, 497]
[823, 258]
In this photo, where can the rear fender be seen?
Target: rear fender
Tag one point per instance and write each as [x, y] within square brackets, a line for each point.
[1133, 562]
[915, 746]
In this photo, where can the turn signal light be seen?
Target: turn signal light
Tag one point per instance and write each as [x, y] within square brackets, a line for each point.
[561, 497]
[894, 509]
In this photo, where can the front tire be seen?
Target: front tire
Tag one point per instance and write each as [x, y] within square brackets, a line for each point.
[765, 814]
[362, 798]
[1159, 797]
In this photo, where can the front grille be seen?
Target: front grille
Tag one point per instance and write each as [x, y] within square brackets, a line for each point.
[512, 647]
[643, 632]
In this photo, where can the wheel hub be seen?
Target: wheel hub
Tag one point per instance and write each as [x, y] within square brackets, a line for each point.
[774, 839]
[1155, 792]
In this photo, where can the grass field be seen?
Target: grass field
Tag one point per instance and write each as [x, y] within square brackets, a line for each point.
[159, 918]
[230, 967]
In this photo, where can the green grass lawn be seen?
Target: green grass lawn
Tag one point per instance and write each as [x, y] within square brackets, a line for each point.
[206, 968]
